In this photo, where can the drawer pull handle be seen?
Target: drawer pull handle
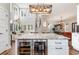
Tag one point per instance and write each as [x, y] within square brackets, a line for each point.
[1, 33]
[59, 48]
[58, 43]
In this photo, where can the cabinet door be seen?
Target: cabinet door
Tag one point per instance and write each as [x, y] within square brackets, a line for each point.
[27, 19]
[24, 47]
[50, 47]
[4, 31]
[57, 47]
[75, 41]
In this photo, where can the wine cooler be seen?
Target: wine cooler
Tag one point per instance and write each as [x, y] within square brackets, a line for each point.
[32, 47]
[24, 47]
[40, 47]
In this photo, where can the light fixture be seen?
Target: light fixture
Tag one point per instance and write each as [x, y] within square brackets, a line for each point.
[36, 10]
[46, 10]
[33, 9]
[40, 8]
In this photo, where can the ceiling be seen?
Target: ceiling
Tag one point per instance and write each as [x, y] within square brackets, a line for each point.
[64, 9]
[59, 10]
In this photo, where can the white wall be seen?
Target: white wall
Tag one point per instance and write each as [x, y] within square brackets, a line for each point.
[68, 23]
[5, 5]
[77, 14]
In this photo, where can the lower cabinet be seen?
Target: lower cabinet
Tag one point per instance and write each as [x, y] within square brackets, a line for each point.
[75, 41]
[58, 47]
[42, 47]
[32, 47]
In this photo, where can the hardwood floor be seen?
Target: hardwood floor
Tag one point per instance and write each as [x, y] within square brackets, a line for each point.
[72, 51]
[12, 51]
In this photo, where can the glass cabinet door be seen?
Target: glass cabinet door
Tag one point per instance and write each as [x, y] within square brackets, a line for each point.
[24, 47]
[40, 47]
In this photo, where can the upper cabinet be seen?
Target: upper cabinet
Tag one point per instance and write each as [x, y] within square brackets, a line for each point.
[25, 15]
[14, 11]
[27, 19]
[22, 19]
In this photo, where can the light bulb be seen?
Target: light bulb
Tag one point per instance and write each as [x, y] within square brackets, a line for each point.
[36, 10]
[33, 9]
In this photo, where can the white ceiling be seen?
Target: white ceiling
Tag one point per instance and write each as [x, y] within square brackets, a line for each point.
[64, 9]
[59, 9]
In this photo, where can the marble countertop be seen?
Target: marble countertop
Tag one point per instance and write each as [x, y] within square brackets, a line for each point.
[40, 36]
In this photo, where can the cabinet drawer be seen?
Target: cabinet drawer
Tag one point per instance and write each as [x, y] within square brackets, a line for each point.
[58, 50]
[58, 42]
[58, 47]
[61, 49]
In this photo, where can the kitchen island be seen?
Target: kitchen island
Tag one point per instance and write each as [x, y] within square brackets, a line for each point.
[41, 44]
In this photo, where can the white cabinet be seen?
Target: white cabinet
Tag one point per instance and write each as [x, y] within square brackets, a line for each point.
[75, 41]
[77, 14]
[4, 30]
[27, 19]
[58, 47]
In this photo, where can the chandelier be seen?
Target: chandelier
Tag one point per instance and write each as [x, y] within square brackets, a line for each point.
[40, 8]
